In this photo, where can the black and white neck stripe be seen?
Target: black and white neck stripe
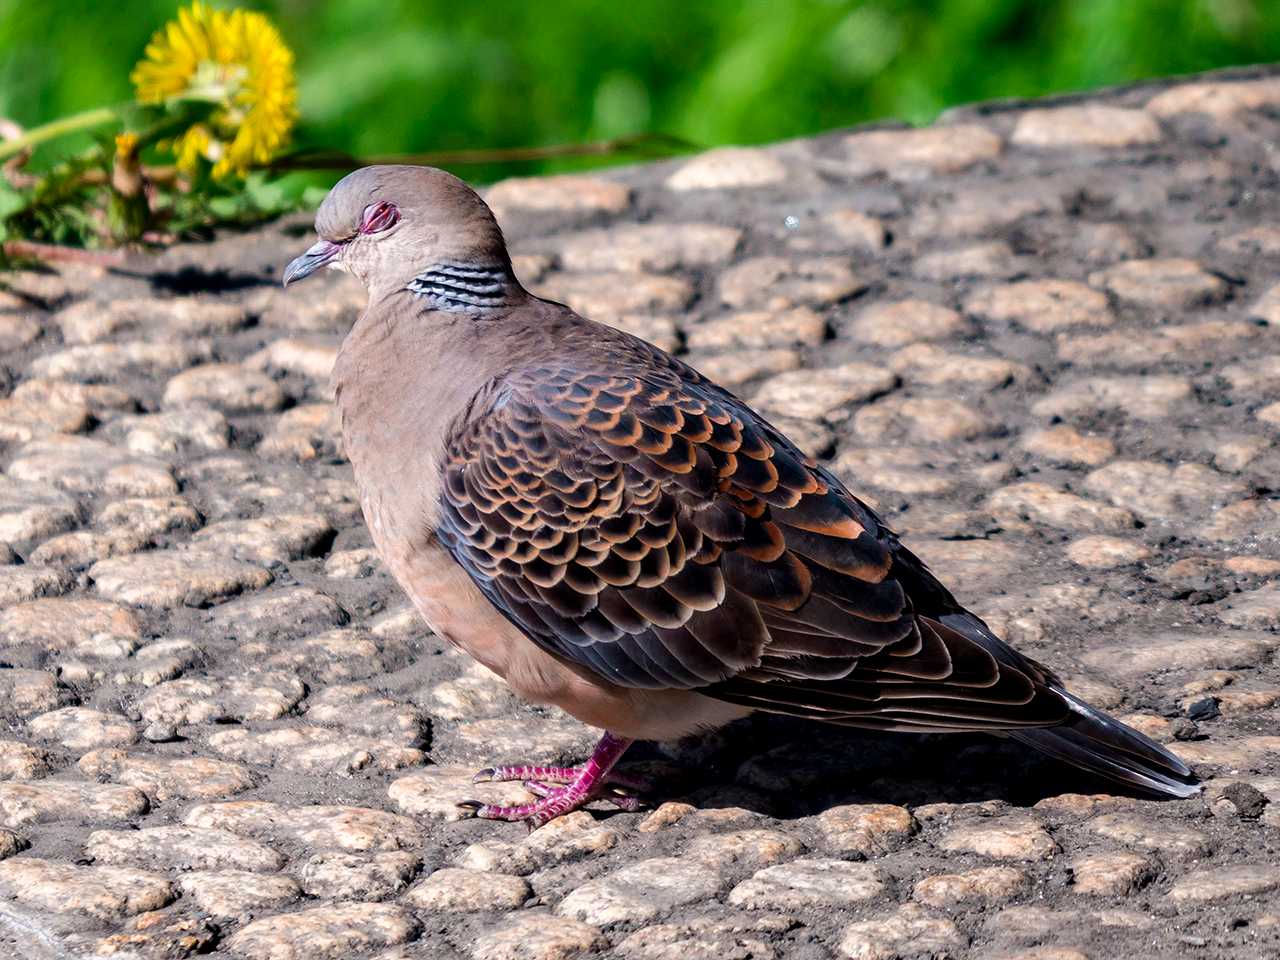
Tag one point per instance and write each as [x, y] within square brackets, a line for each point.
[455, 286]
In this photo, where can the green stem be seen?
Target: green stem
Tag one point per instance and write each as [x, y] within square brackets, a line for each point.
[57, 128]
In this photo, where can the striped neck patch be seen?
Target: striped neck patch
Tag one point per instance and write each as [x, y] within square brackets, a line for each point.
[455, 286]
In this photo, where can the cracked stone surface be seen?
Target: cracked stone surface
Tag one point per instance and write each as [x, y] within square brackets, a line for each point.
[1042, 339]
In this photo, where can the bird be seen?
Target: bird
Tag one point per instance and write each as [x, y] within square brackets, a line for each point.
[614, 534]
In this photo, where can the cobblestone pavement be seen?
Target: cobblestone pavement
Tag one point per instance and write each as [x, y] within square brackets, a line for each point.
[1043, 338]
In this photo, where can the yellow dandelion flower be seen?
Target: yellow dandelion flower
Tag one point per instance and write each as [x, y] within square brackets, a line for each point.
[235, 59]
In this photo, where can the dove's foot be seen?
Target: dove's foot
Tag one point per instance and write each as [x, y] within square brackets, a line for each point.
[577, 786]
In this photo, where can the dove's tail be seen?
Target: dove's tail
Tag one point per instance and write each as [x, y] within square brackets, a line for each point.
[1105, 746]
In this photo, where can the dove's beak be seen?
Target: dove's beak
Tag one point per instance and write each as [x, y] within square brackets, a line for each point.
[316, 257]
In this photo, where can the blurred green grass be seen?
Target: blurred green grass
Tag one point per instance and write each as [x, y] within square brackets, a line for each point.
[390, 76]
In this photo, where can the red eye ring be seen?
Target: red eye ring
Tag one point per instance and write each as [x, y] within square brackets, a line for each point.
[379, 216]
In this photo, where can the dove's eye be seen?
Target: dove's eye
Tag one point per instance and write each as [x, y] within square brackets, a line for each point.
[378, 217]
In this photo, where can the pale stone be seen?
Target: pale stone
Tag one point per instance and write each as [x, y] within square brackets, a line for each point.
[1003, 838]
[1065, 444]
[233, 893]
[755, 330]
[34, 511]
[607, 295]
[90, 321]
[184, 848]
[869, 829]
[267, 540]
[332, 932]
[734, 369]
[1110, 874]
[436, 792]
[1105, 553]
[172, 432]
[908, 932]
[1221, 883]
[28, 692]
[83, 465]
[321, 827]
[777, 283]
[105, 893]
[927, 419]
[264, 695]
[1042, 306]
[536, 935]
[993, 259]
[1146, 398]
[311, 358]
[228, 387]
[984, 886]
[313, 750]
[1139, 655]
[18, 761]
[906, 321]
[352, 564]
[917, 154]
[812, 393]
[1173, 842]
[742, 849]
[640, 891]
[172, 578]
[79, 728]
[559, 193]
[806, 884]
[451, 890]
[168, 778]
[349, 876]
[1041, 503]
[1172, 284]
[728, 168]
[1086, 125]
[649, 246]
[60, 623]
[1219, 100]
[108, 361]
[47, 800]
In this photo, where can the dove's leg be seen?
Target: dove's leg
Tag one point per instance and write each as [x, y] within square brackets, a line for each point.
[589, 782]
[558, 775]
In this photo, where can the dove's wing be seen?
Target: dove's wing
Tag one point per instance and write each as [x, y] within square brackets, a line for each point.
[637, 520]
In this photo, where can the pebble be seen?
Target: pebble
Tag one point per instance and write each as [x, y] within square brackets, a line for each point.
[228, 387]
[919, 154]
[105, 893]
[84, 465]
[236, 893]
[905, 322]
[28, 692]
[349, 876]
[1106, 553]
[1001, 838]
[924, 419]
[1087, 125]
[303, 433]
[436, 792]
[174, 578]
[908, 932]
[728, 168]
[1218, 100]
[985, 887]
[1157, 491]
[606, 295]
[320, 827]
[1042, 306]
[756, 330]
[640, 891]
[930, 365]
[536, 935]
[173, 432]
[261, 621]
[359, 708]
[808, 884]
[649, 246]
[1223, 883]
[476, 694]
[34, 511]
[311, 357]
[867, 830]
[453, 890]
[1171, 284]
[18, 761]
[182, 848]
[265, 695]
[352, 564]
[778, 283]
[92, 363]
[17, 332]
[1067, 445]
[82, 729]
[267, 540]
[570, 193]
[157, 933]
[24, 420]
[1145, 398]
[1173, 842]
[331, 932]
[1110, 874]
[315, 750]
[1040, 503]
[89, 321]
[45, 801]
[168, 778]
[993, 259]
[813, 393]
[1175, 651]
[61, 623]
[742, 850]
[741, 936]
[11, 844]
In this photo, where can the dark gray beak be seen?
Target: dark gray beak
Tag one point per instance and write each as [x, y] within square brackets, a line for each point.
[316, 257]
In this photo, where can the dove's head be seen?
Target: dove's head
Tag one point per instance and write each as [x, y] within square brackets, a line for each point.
[387, 224]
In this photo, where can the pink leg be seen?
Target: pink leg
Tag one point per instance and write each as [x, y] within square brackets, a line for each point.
[557, 775]
[587, 784]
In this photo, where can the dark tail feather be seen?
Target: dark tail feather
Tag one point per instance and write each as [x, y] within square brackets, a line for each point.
[1105, 746]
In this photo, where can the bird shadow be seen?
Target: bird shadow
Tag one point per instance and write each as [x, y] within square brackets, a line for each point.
[787, 768]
